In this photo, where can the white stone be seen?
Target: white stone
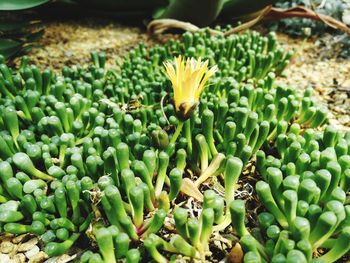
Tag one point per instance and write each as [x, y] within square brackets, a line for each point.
[28, 245]
[32, 252]
[4, 258]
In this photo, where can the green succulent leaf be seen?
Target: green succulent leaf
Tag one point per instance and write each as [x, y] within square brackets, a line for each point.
[11, 5]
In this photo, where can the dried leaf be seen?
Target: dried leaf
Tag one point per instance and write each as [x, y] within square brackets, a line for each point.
[189, 188]
[236, 254]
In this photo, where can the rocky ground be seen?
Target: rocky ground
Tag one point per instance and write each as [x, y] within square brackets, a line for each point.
[70, 42]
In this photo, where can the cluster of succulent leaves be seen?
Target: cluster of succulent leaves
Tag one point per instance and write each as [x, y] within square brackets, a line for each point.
[304, 189]
[87, 157]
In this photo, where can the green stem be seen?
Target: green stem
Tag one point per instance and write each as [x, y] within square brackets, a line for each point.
[177, 132]
[212, 169]
[188, 136]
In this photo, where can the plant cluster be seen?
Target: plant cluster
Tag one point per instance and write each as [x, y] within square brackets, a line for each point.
[106, 157]
[304, 190]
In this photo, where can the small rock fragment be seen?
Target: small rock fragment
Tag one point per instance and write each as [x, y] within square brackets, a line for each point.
[4, 258]
[51, 260]
[32, 252]
[6, 247]
[38, 258]
[19, 238]
[61, 259]
[28, 245]
[14, 251]
[19, 258]
[65, 258]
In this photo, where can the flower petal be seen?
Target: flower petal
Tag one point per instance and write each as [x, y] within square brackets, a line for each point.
[188, 78]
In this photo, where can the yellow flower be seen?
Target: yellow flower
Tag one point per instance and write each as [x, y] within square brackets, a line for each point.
[188, 78]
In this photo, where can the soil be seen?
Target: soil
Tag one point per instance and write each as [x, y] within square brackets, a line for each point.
[70, 42]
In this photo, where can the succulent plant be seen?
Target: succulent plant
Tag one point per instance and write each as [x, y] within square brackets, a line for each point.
[97, 154]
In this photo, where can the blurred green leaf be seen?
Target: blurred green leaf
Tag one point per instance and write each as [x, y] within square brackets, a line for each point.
[16, 29]
[238, 8]
[18, 35]
[6, 26]
[124, 5]
[198, 12]
[34, 36]
[9, 47]
[10, 5]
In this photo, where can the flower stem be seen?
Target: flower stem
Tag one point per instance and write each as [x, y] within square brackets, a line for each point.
[188, 136]
[177, 132]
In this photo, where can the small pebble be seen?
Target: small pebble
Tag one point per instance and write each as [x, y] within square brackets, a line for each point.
[32, 252]
[51, 260]
[19, 258]
[38, 258]
[19, 238]
[60, 259]
[6, 247]
[4, 258]
[65, 258]
[28, 245]
[14, 251]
